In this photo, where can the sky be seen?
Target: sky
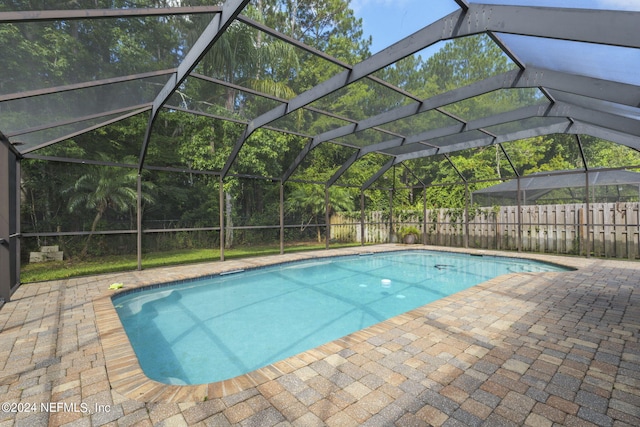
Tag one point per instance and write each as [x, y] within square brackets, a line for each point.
[389, 21]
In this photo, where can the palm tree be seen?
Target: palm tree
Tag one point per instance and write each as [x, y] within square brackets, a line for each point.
[243, 56]
[310, 201]
[106, 187]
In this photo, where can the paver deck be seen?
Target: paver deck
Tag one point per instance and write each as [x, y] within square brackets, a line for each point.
[522, 349]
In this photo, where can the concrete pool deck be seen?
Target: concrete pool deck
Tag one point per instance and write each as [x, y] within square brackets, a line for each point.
[522, 349]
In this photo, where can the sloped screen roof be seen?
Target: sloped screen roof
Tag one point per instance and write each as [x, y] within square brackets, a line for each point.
[539, 184]
[563, 68]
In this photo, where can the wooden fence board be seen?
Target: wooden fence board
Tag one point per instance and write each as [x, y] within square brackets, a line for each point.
[614, 229]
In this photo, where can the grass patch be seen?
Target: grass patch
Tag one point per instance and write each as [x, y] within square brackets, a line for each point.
[56, 270]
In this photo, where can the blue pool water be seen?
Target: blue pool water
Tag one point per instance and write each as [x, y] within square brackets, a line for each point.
[212, 329]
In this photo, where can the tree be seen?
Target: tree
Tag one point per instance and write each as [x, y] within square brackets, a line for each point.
[309, 200]
[106, 187]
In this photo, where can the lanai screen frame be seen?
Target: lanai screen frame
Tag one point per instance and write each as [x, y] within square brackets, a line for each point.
[579, 104]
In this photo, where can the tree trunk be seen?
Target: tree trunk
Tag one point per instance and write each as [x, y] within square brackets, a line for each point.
[34, 217]
[94, 225]
[319, 234]
[230, 101]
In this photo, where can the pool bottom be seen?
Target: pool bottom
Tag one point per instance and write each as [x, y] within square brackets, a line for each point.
[127, 378]
[217, 328]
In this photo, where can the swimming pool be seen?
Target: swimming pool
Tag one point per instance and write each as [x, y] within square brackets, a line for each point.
[211, 329]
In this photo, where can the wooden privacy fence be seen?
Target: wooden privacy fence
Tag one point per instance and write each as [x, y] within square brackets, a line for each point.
[610, 230]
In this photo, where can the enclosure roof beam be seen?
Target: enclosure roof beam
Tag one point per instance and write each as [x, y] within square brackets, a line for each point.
[610, 27]
[218, 25]
[88, 129]
[513, 167]
[424, 137]
[594, 26]
[75, 14]
[475, 142]
[378, 174]
[582, 155]
[228, 119]
[316, 52]
[9, 145]
[544, 110]
[567, 126]
[345, 166]
[560, 110]
[531, 77]
[83, 85]
[601, 118]
[422, 183]
[605, 90]
[507, 79]
[455, 168]
[464, 4]
[267, 96]
[419, 40]
[140, 108]
[606, 134]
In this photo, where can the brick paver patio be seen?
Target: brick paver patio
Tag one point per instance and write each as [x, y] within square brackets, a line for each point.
[523, 349]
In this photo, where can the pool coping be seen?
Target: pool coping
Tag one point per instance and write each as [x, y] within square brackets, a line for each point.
[127, 377]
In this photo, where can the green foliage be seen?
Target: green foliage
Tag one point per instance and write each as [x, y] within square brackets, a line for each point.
[106, 187]
[43, 54]
[310, 201]
[404, 231]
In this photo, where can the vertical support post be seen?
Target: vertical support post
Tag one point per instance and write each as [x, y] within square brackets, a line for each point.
[362, 218]
[519, 228]
[281, 217]
[424, 215]
[465, 238]
[392, 237]
[221, 212]
[587, 237]
[585, 164]
[139, 221]
[15, 227]
[5, 215]
[9, 220]
[327, 220]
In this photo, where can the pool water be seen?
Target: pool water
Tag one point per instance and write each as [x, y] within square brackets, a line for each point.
[213, 329]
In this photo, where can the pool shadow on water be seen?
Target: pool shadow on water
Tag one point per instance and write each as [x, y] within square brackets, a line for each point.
[161, 358]
[369, 315]
[155, 355]
[172, 371]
